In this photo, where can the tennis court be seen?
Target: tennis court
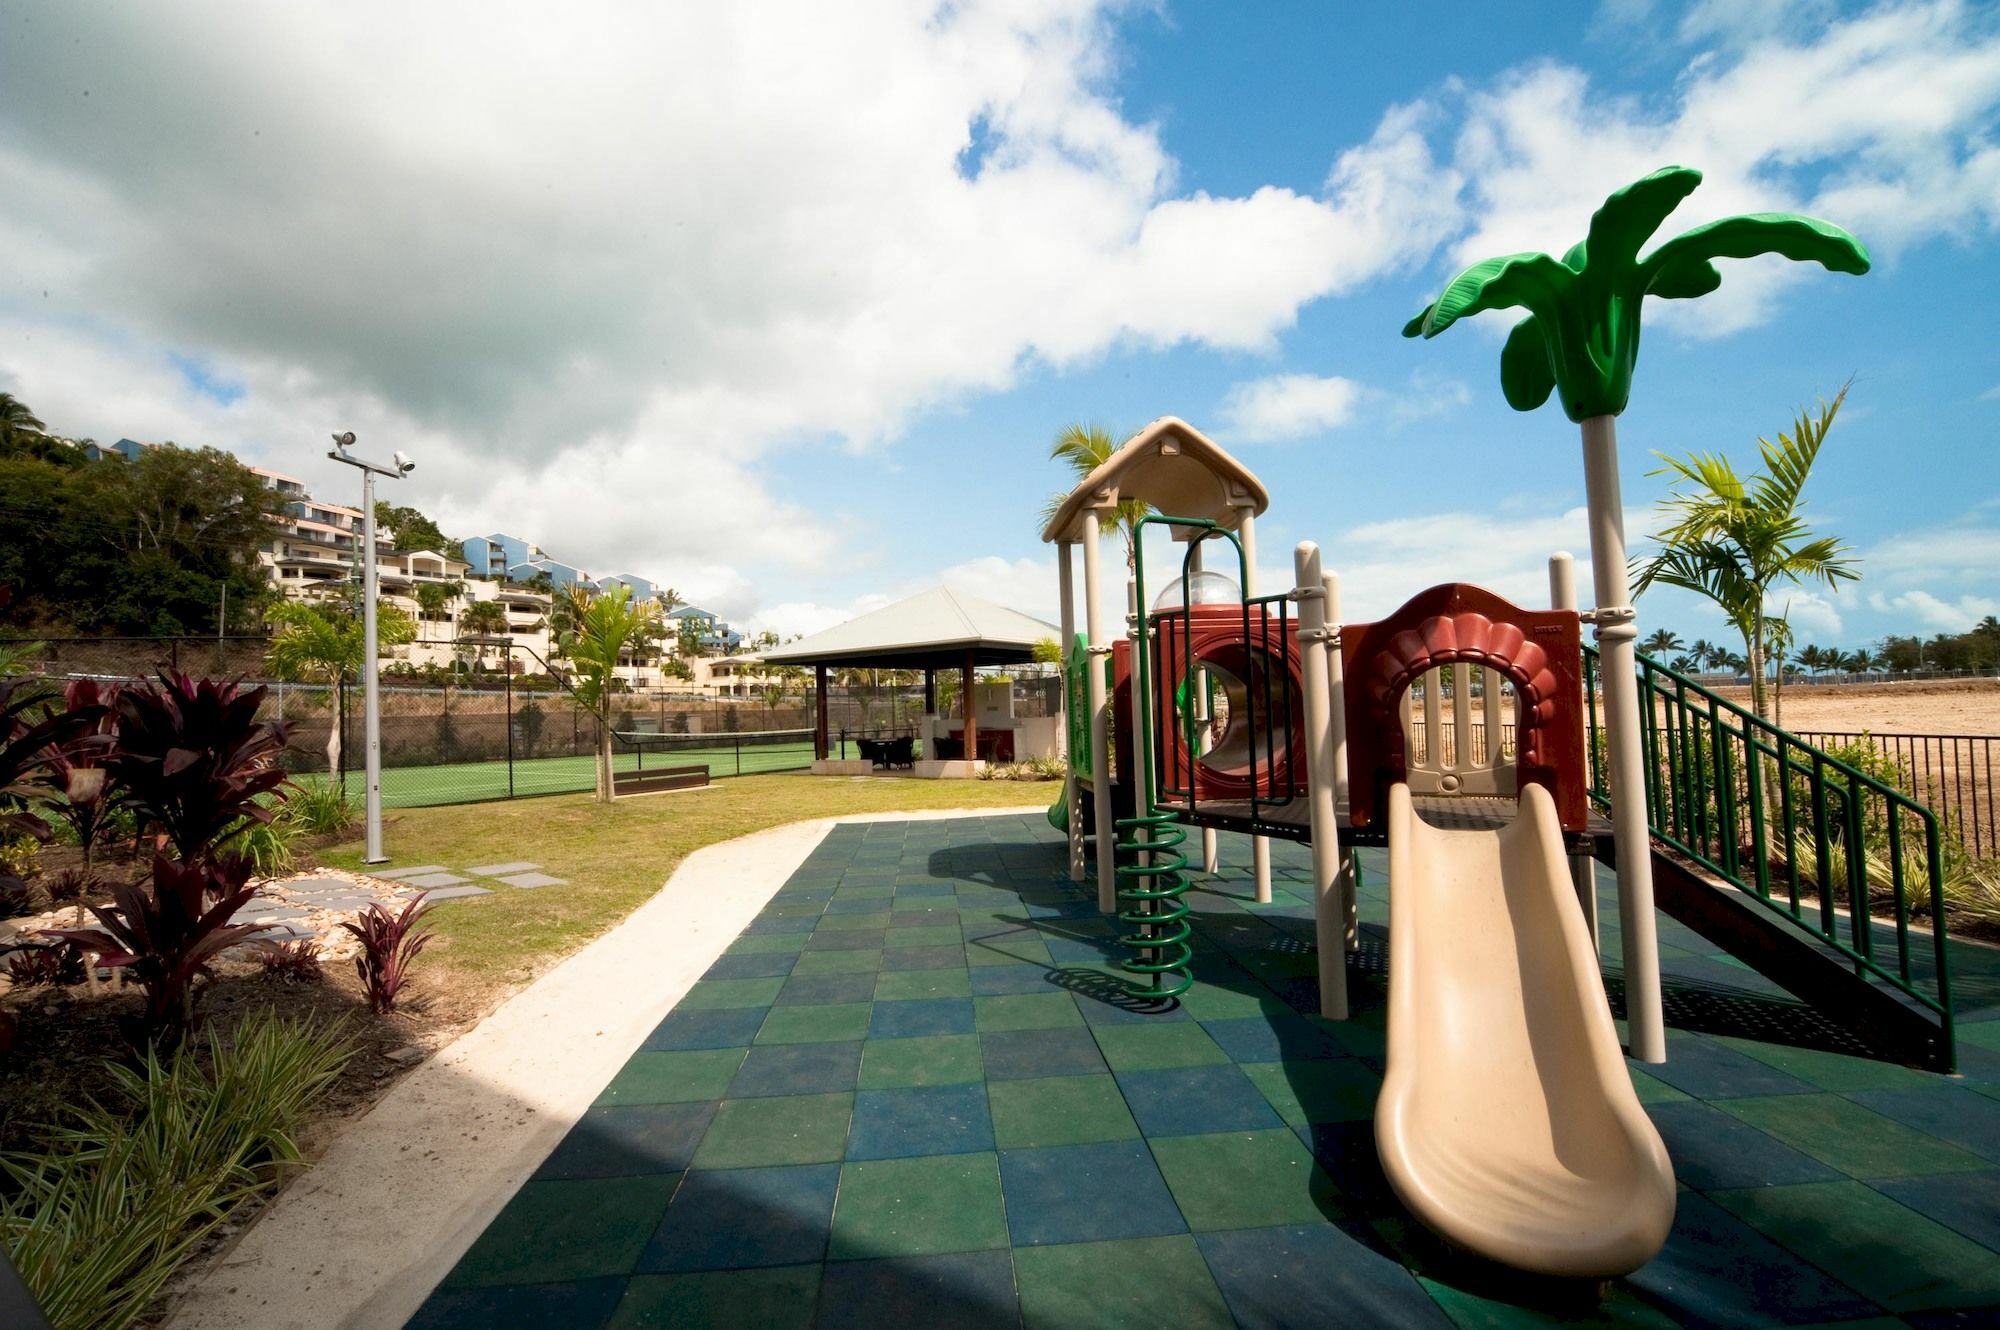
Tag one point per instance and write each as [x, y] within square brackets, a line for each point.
[741, 754]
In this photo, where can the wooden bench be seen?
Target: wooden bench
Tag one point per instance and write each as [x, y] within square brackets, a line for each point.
[655, 780]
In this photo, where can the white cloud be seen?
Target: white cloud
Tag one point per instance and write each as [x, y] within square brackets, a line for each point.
[1929, 611]
[1991, 394]
[1288, 406]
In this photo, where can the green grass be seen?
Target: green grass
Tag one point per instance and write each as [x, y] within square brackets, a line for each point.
[462, 782]
[613, 857]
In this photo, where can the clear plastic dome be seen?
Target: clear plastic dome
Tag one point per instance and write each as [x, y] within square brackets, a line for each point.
[1207, 588]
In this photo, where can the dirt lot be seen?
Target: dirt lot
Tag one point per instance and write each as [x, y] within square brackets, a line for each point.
[1946, 706]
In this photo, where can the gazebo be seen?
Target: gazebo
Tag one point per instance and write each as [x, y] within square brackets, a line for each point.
[939, 629]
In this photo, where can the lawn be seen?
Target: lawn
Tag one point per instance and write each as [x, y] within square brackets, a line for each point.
[463, 782]
[613, 858]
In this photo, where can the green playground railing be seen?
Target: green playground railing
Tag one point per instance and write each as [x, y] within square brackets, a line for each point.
[1814, 839]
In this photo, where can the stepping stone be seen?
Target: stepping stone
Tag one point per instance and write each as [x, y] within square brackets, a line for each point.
[454, 893]
[404, 874]
[312, 885]
[496, 870]
[434, 880]
[533, 880]
[269, 914]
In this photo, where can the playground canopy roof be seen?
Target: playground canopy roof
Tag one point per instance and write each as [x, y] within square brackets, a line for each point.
[931, 630]
[1174, 467]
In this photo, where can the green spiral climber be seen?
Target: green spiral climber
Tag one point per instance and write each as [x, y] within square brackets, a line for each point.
[1149, 894]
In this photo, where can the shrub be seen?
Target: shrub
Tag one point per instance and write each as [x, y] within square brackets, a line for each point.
[166, 938]
[318, 809]
[57, 963]
[265, 846]
[389, 943]
[195, 759]
[295, 961]
[20, 856]
[86, 799]
[99, 1219]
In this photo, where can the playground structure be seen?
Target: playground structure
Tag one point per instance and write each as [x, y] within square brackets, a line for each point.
[1462, 734]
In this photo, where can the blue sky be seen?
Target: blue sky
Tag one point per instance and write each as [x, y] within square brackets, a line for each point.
[782, 305]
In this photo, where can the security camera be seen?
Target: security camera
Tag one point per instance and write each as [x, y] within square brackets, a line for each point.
[404, 464]
[344, 440]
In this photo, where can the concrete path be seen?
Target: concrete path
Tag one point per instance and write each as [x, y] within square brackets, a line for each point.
[363, 1237]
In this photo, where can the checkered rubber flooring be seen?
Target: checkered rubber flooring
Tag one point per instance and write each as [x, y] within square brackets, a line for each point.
[909, 1094]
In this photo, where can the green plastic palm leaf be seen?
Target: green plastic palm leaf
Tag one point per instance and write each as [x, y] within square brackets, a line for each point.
[1581, 336]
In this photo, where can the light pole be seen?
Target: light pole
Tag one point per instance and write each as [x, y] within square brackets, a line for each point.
[371, 685]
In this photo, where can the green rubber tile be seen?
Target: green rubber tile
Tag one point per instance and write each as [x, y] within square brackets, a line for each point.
[924, 935]
[1208, 1002]
[816, 1025]
[1980, 1034]
[865, 891]
[1830, 1071]
[917, 1207]
[555, 1231]
[775, 1299]
[1143, 1283]
[768, 944]
[1474, 1311]
[1025, 1011]
[1157, 1047]
[903, 985]
[839, 962]
[1306, 1092]
[1881, 1249]
[1058, 1110]
[935, 1059]
[845, 923]
[674, 1078]
[1653, 1090]
[787, 1129]
[1027, 950]
[718, 994]
[1858, 1141]
[1245, 1179]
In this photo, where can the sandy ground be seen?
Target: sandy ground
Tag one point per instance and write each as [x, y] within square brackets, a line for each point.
[359, 1241]
[1952, 706]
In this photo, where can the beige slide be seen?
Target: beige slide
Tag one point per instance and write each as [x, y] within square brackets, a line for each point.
[1507, 1122]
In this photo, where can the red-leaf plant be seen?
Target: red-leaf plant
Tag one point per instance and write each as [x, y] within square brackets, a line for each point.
[166, 938]
[85, 797]
[194, 759]
[27, 734]
[388, 945]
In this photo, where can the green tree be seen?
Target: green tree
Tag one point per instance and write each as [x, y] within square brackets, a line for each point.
[413, 530]
[323, 643]
[1663, 641]
[434, 598]
[17, 421]
[1734, 540]
[1084, 448]
[606, 624]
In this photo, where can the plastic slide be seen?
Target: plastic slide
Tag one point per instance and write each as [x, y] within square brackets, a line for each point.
[1507, 1122]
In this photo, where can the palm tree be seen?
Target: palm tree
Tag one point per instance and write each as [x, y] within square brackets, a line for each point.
[17, 420]
[323, 643]
[1706, 654]
[606, 624]
[1581, 338]
[1084, 448]
[1662, 641]
[483, 618]
[1859, 661]
[1734, 540]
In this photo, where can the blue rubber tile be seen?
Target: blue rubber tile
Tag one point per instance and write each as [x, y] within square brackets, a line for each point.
[1113, 1000]
[750, 967]
[1346, 1150]
[1086, 1193]
[921, 1016]
[1718, 1271]
[1967, 1202]
[1074, 951]
[1062, 909]
[990, 980]
[732, 1027]
[1278, 1278]
[963, 1291]
[1019, 1055]
[571, 1306]
[1967, 1119]
[945, 957]
[630, 1139]
[1712, 1150]
[782, 1069]
[1708, 1070]
[1189, 1101]
[1007, 925]
[927, 1120]
[822, 990]
[735, 1218]
[926, 891]
[1275, 1037]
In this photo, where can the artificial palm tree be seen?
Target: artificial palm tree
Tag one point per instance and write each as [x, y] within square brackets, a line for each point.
[1581, 340]
[1734, 540]
[1084, 448]
[323, 643]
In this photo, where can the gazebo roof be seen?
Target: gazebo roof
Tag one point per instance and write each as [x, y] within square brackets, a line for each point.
[931, 630]
[1174, 467]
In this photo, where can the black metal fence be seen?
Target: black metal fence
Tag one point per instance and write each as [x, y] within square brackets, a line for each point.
[1952, 773]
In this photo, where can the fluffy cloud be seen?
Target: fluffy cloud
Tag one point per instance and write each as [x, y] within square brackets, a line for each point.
[1288, 406]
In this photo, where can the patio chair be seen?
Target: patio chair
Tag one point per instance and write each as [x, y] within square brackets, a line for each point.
[901, 752]
[872, 750]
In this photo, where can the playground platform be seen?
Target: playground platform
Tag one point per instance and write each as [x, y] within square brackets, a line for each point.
[910, 1093]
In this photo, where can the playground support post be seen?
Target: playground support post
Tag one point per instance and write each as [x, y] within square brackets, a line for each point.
[1329, 909]
[1582, 868]
[1246, 538]
[1100, 714]
[1198, 699]
[1617, 633]
[1072, 794]
[1336, 687]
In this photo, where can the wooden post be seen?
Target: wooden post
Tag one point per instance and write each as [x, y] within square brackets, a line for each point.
[966, 705]
[819, 726]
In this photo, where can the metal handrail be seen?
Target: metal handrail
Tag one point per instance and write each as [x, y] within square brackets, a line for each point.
[1795, 828]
